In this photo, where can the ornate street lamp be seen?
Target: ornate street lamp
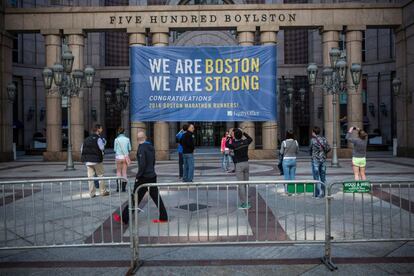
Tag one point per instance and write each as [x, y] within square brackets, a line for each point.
[312, 73]
[119, 99]
[11, 92]
[396, 86]
[68, 84]
[334, 83]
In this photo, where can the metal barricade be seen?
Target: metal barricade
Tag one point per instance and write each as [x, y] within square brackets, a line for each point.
[210, 213]
[60, 213]
[371, 211]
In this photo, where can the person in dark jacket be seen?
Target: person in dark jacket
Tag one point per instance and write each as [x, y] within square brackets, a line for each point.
[178, 137]
[240, 147]
[146, 174]
[187, 142]
[92, 155]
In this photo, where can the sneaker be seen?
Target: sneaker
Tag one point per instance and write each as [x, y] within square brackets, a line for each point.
[92, 196]
[245, 206]
[105, 194]
[159, 221]
[116, 217]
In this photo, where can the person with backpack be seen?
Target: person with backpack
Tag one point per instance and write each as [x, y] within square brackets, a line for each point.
[319, 148]
[92, 155]
[122, 147]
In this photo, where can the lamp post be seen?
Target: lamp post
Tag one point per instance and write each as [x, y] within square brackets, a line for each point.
[287, 92]
[119, 99]
[334, 83]
[69, 83]
[11, 92]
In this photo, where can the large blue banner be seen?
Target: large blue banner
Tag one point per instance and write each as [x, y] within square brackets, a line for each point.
[203, 83]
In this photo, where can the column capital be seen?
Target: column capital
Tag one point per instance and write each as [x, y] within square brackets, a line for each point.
[351, 28]
[163, 30]
[136, 30]
[269, 28]
[328, 28]
[246, 29]
[50, 32]
[74, 32]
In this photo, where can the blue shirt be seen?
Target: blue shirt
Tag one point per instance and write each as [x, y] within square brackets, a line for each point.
[178, 137]
[122, 145]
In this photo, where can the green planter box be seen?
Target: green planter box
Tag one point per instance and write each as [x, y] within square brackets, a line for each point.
[299, 188]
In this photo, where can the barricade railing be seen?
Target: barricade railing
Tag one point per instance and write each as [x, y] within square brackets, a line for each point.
[368, 211]
[210, 213]
[51, 213]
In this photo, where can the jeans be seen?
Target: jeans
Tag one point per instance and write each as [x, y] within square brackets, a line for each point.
[180, 164]
[319, 173]
[225, 162]
[188, 167]
[242, 174]
[289, 169]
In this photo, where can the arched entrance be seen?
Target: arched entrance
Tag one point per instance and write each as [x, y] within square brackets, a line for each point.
[208, 134]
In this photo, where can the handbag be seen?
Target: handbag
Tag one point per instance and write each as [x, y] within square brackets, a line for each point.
[127, 159]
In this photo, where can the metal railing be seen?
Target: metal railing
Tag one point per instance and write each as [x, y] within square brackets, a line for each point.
[209, 213]
[59, 213]
[381, 213]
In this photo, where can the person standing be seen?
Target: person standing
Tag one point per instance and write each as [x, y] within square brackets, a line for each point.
[289, 149]
[180, 150]
[319, 148]
[359, 139]
[146, 174]
[240, 147]
[225, 152]
[187, 142]
[122, 148]
[92, 155]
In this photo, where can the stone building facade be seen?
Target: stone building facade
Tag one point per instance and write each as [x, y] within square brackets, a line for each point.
[383, 51]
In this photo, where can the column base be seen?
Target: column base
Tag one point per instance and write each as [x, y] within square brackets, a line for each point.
[405, 152]
[162, 155]
[6, 156]
[54, 156]
[133, 155]
[342, 153]
[262, 154]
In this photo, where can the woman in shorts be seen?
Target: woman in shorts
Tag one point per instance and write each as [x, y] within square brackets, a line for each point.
[359, 139]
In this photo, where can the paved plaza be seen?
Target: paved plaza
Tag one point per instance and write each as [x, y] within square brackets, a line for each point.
[67, 215]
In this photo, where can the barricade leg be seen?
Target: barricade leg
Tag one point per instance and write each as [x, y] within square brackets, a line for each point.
[327, 258]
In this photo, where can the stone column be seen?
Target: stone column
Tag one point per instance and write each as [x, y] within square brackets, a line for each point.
[53, 44]
[160, 37]
[6, 107]
[354, 55]
[137, 37]
[404, 101]
[76, 42]
[245, 36]
[330, 38]
[268, 36]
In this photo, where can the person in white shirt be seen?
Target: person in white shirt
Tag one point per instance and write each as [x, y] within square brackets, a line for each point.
[122, 148]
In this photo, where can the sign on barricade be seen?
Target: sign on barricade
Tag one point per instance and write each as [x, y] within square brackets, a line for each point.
[357, 187]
